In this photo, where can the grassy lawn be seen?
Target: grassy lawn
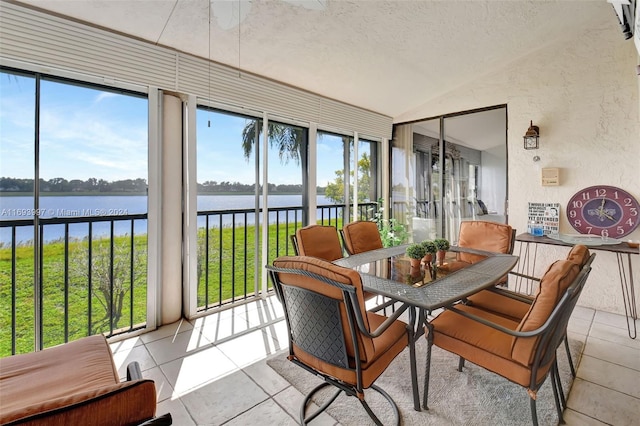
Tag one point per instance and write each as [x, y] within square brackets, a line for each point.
[76, 298]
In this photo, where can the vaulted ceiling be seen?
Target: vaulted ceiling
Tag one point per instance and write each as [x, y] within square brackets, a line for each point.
[388, 56]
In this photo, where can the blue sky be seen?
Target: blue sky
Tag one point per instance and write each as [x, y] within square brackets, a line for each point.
[92, 133]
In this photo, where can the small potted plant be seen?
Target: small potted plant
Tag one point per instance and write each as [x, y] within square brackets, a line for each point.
[428, 259]
[415, 252]
[442, 245]
[429, 250]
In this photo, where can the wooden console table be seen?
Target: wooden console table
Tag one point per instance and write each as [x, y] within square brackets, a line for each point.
[527, 265]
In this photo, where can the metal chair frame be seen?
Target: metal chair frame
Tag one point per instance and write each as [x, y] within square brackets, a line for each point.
[296, 319]
[550, 334]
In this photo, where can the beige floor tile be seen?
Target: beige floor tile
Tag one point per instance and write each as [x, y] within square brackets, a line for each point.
[223, 399]
[583, 313]
[179, 413]
[267, 413]
[573, 418]
[278, 331]
[613, 334]
[139, 353]
[603, 404]
[164, 390]
[125, 345]
[578, 325]
[167, 330]
[614, 320]
[266, 377]
[197, 369]
[612, 376]
[616, 354]
[177, 346]
[249, 348]
[264, 312]
[291, 399]
[218, 329]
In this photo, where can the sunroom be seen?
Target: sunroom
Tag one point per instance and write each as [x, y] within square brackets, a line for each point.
[145, 144]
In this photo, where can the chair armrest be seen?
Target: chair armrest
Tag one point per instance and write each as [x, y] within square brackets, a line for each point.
[133, 371]
[130, 402]
[529, 277]
[382, 327]
[531, 333]
[511, 295]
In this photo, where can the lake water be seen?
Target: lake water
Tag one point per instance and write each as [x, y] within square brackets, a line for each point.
[81, 205]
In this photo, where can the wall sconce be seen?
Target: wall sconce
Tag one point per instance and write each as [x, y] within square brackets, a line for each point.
[531, 138]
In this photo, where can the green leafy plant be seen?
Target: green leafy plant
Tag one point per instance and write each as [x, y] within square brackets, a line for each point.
[415, 251]
[429, 247]
[442, 244]
[392, 233]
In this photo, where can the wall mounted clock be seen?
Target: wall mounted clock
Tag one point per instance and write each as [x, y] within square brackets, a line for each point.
[603, 210]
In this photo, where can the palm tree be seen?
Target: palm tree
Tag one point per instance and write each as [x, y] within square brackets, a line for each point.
[288, 139]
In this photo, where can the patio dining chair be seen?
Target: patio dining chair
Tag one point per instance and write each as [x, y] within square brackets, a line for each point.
[318, 241]
[515, 305]
[331, 334]
[523, 352]
[481, 235]
[360, 236]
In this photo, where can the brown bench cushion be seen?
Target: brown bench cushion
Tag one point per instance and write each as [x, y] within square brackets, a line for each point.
[74, 383]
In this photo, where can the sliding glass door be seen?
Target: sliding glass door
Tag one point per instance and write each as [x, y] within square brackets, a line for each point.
[449, 169]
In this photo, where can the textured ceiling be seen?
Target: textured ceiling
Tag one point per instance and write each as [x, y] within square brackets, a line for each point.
[386, 56]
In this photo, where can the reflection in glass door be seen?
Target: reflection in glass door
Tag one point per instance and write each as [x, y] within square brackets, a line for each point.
[450, 169]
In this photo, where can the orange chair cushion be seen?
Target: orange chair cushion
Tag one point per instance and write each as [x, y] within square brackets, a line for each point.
[553, 285]
[482, 235]
[500, 304]
[319, 241]
[579, 255]
[333, 272]
[480, 344]
[361, 236]
[386, 347]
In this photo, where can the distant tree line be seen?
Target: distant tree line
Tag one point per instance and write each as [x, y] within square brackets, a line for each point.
[8, 184]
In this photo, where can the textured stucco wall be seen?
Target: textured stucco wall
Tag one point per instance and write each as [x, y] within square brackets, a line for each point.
[583, 93]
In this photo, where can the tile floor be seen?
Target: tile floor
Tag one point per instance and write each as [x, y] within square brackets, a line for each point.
[212, 370]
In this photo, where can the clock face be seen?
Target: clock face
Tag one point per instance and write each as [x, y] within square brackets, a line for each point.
[603, 210]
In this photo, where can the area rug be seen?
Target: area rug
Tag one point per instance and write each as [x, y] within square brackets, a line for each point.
[471, 397]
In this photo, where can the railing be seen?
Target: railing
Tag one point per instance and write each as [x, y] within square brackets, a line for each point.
[90, 275]
[227, 240]
[91, 272]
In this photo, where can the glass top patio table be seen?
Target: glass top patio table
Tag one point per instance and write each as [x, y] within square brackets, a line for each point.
[384, 273]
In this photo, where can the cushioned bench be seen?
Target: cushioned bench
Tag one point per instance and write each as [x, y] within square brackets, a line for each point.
[72, 384]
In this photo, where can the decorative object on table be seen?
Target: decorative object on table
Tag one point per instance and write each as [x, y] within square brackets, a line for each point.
[585, 239]
[603, 210]
[544, 219]
[442, 245]
[430, 249]
[532, 137]
[392, 232]
[415, 252]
